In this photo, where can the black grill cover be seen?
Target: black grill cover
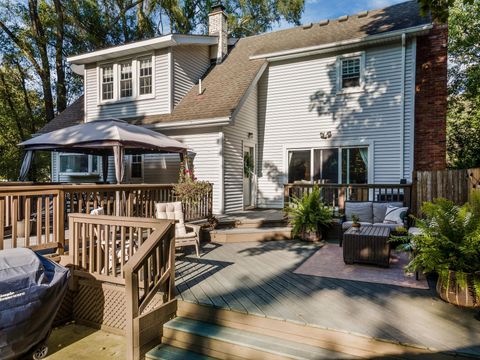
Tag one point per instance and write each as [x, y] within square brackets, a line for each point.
[32, 289]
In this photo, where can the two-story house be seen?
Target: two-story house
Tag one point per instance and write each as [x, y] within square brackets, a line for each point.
[358, 99]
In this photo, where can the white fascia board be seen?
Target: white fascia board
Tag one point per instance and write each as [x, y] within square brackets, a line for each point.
[318, 49]
[197, 123]
[140, 46]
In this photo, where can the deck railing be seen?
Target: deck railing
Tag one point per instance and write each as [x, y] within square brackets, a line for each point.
[136, 252]
[35, 215]
[336, 194]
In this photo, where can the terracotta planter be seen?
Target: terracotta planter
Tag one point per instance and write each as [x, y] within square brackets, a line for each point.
[356, 226]
[311, 236]
[451, 292]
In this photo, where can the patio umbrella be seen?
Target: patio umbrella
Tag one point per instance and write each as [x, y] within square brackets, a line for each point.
[112, 137]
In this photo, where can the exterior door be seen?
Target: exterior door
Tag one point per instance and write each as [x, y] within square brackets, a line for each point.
[248, 176]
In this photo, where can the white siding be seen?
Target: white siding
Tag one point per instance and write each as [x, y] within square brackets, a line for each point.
[298, 100]
[235, 136]
[189, 65]
[160, 104]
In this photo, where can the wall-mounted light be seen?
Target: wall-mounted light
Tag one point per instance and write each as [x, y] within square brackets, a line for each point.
[325, 135]
[250, 135]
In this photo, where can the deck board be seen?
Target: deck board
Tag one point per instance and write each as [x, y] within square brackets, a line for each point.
[258, 278]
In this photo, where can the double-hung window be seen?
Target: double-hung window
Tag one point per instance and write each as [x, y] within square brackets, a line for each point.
[126, 80]
[107, 82]
[350, 72]
[145, 76]
[136, 166]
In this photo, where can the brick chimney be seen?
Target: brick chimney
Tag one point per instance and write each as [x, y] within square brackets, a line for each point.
[217, 26]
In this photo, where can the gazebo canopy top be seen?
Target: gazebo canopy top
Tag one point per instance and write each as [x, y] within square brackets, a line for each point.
[101, 136]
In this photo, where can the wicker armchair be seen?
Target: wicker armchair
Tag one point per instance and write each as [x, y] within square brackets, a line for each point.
[173, 211]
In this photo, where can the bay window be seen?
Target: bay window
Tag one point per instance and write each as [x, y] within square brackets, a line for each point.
[78, 164]
[339, 165]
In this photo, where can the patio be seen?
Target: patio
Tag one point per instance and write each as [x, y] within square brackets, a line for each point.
[258, 278]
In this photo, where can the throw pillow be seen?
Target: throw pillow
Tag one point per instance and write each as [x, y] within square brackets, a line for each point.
[395, 215]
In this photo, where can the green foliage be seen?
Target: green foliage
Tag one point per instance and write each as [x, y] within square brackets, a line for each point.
[450, 237]
[248, 165]
[355, 219]
[189, 189]
[439, 8]
[309, 213]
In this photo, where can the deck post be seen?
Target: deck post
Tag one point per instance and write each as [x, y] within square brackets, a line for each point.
[61, 221]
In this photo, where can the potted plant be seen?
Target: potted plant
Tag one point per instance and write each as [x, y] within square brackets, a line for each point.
[449, 244]
[309, 216]
[356, 222]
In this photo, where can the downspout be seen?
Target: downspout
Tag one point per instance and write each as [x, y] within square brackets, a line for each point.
[402, 112]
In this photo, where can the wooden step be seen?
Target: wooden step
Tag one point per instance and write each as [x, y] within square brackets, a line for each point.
[348, 343]
[250, 234]
[165, 352]
[251, 223]
[226, 342]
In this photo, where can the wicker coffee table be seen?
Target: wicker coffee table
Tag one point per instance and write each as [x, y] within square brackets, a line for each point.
[367, 245]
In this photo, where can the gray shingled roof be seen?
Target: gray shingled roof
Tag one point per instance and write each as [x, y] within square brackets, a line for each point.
[227, 82]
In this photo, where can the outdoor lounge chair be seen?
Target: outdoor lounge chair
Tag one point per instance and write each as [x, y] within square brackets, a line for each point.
[174, 211]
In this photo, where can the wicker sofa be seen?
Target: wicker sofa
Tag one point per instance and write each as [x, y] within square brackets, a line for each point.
[370, 213]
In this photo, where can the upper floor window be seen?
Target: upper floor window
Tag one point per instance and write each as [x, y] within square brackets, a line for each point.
[126, 84]
[107, 82]
[145, 76]
[128, 79]
[351, 72]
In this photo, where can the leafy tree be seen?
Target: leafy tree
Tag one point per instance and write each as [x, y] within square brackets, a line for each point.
[440, 8]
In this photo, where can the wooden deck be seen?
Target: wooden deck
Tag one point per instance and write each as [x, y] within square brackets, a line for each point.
[257, 278]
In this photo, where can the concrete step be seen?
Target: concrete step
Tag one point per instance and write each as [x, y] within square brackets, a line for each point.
[165, 352]
[230, 343]
[250, 234]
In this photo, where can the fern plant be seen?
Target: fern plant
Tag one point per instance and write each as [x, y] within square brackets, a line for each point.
[449, 241]
[309, 213]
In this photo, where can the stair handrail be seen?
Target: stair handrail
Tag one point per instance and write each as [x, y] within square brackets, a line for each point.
[149, 272]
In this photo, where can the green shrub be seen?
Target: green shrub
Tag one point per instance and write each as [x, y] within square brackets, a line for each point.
[309, 213]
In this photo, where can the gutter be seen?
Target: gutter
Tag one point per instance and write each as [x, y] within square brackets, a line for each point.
[200, 123]
[324, 48]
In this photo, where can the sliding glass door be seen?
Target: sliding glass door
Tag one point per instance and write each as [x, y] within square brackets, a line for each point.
[336, 165]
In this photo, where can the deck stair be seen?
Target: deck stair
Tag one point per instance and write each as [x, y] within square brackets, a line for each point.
[204, 332]
[253, 225]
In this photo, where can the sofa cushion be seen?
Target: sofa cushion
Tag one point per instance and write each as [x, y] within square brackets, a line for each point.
[348, 224]
[363, 209]
[395, 215]
[392, 227]
[380, 208]
[172, 211]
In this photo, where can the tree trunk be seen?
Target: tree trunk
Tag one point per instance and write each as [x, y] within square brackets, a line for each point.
[59, 65]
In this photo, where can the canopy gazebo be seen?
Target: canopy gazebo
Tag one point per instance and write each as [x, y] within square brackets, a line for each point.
[109, 137]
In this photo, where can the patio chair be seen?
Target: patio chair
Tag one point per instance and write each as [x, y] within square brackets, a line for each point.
[174, 211]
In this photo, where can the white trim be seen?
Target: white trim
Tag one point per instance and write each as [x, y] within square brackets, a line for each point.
[137, 67]
[220, 121]
[318, 49]
[221, 181]
[144, 45]
[412, 107]
[170, 80]
[338, 66]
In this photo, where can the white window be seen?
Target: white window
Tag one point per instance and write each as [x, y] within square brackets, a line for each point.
[107, 82]
[126, 80]
[348, 165]
[350, 72]
[78, 164]
[136, 166]
[145, 76]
